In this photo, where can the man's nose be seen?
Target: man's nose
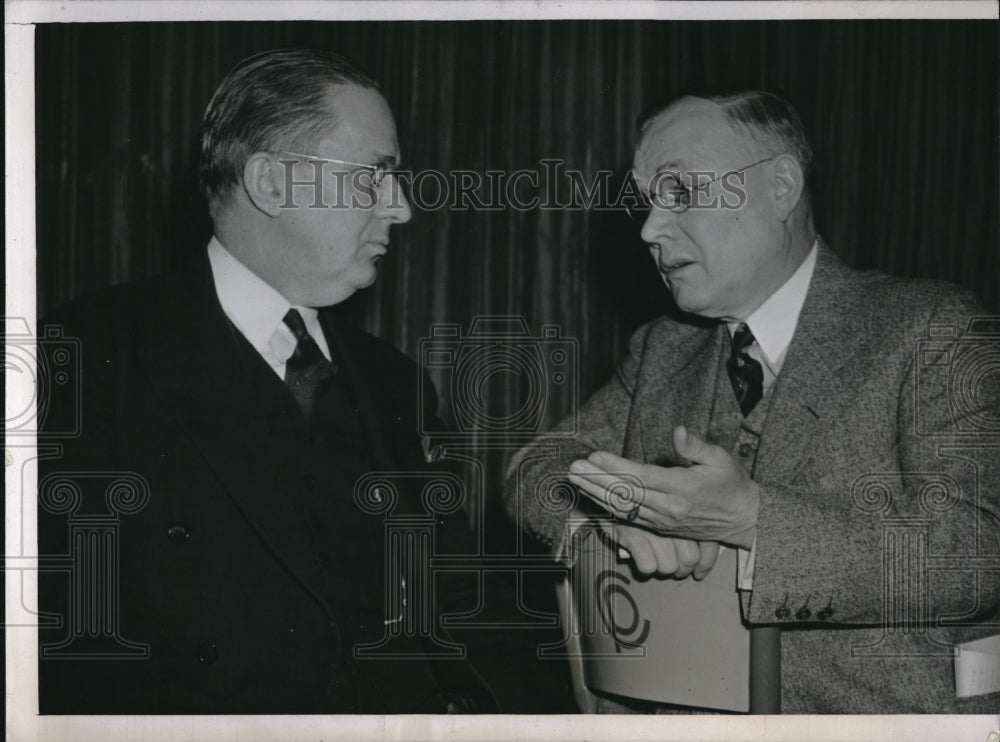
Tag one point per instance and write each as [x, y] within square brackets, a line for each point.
[660, 224]
[392, 202]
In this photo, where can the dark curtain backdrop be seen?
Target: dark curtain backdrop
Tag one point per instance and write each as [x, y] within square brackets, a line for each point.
[902, 114]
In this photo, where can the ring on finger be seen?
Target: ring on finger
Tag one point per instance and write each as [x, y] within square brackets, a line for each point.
[632, 514]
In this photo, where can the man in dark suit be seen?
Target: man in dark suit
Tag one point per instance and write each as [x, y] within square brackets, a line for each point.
[225, 505]
[787, 412]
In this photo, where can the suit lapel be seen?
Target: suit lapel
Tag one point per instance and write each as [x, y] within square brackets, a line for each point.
[683, 365]
[202, 369]
[811, 386]
[357, 376]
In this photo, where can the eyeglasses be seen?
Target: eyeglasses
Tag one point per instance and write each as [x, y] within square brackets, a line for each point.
[378, 172]
[673, 194]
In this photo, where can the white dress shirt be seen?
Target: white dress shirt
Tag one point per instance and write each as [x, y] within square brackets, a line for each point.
[773, 324]
[258, 310]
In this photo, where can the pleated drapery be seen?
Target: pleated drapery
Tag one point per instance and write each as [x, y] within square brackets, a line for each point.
[902, 114]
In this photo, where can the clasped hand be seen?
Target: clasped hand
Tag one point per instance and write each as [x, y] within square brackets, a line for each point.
[680, 515]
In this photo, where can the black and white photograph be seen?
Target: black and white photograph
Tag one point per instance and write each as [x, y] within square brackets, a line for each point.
[502, 371]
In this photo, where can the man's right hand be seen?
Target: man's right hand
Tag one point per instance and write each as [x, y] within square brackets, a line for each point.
[664, 556]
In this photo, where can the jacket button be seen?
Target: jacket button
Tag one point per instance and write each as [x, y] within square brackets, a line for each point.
[208, 653]
[178, 534]
[782, 613]
[803, 613]
[308, 482]
[825, 614]
[744, 450]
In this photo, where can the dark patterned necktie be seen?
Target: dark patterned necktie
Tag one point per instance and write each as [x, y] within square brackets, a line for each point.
[306, 371]
[745, 373]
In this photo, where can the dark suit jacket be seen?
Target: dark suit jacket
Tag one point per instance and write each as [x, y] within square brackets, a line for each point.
[861, 421]
[221, 607]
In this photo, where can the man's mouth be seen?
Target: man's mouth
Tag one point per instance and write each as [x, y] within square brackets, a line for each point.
[675, 266]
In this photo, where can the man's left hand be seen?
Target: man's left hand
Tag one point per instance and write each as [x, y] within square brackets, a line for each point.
[713, 499]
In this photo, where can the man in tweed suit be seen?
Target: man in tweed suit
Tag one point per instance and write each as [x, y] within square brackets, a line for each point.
[786, 411]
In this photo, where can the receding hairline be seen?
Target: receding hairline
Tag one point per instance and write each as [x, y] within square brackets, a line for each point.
[673, 105]
[756, 136]
[336, 113]
[698, 102]
[337, 118]
[703, 105]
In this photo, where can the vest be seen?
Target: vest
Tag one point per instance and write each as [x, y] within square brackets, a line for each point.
[325, 457]
[740, 436]
[728, 428]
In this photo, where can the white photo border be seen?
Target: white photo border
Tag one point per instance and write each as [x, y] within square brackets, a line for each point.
[23, 720]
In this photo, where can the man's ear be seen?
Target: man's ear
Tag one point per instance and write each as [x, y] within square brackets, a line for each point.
[264, 183]
[789, 183]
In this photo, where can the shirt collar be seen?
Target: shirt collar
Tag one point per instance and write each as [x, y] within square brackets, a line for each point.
[773, 322]
[253, 305]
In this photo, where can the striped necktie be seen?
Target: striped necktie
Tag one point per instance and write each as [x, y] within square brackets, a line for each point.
[745, 373]
[307, 370]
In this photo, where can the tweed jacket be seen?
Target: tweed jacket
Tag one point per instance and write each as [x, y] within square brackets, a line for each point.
[874, 441]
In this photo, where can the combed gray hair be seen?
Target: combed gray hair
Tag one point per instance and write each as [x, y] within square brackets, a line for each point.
[273, 101]
[766, 119]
